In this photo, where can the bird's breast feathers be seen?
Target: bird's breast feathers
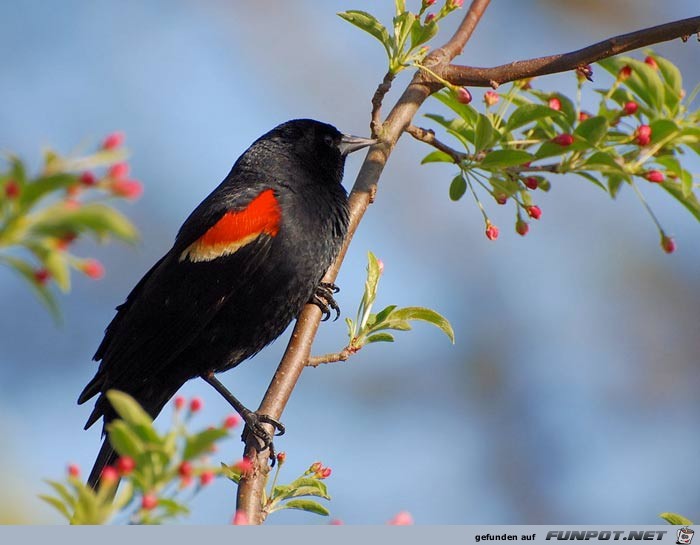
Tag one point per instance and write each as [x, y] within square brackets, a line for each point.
[237, 228]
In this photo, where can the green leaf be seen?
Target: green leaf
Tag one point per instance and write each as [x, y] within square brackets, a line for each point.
[484, 133]
[676, 519]
[614, 184]
[95, 218]
[42, 187]
[380, 337]
[124, 440]
[57, 264]
[661, 129]
[382, 315]
[673, 80]
[308, 486]
[455, 126]
[505, 158]
[604, 162]
[42, 291]
[200, 443]
[305, 505]
[528, 113]
[231, 473]
[437, 157]
[464, 111]
[172, 507]
[593, 130]
[426, 315]
[690, 201]
[458, 187]
[592, 179]
[369, 24]
[421, 34]
[131, 412]
[686, 184]
[63, 493]
[57, 504]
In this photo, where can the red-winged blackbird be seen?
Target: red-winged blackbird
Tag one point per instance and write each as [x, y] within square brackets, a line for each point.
[243, 265]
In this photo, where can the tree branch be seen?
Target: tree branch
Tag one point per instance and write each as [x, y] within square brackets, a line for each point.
[428, 136]
[382, 89]
[492, 77]
[250, 488]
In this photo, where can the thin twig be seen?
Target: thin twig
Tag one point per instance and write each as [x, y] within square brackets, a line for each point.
[428, 136]
[487, 77]
[382, 89]
[343, 355]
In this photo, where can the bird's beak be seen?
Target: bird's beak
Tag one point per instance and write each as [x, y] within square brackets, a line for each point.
[348, 143]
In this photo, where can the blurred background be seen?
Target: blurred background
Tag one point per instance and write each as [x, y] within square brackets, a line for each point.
[570, 394]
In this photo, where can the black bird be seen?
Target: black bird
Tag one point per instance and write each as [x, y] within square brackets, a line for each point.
[243, 265]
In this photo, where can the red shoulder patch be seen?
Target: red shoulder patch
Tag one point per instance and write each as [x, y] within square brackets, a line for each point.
[236, 229]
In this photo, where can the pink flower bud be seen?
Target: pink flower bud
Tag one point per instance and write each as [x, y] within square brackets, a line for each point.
[403, 518]
[534, 212]
[125, 465]
[231, 421]
[668, 244]
[491, 231]
[491, 98]
[630, 107]
[88, 179]
[240, 518]
[129, 189]
[179, 402]
[149, 502]
[109, 475]
[563, 140]
[118, 171]
[206, 478]
[655, 176]
[114, 140]
[196, 404]
[554, 103]
[463, 95]
[73, 470]
[93, 269]
[185, 469]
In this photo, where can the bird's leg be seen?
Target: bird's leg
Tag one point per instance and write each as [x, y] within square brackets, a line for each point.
[254, 421]
[323, 299]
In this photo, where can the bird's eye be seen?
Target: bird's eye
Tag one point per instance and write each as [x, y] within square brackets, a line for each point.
[328, 140]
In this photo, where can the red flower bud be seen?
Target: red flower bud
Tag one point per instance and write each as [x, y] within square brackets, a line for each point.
[655, 176]
[491, 231]
[501, 198]
[625, 72]
[41, 276]
[179, 402]
[554, 103]
[454, 4]
[149, 502]
[564, 139]
[429, 18]
[582, 116]
[651, 62]
[206, 478]
[534, 212]
[185, 469]
[231, 421]
[93, 269]
[324, 473]
[73, 470]
[125, 465]
[403, 518]
[129, 189]
[315, 467]
[643, 133]
[281, 457]
[631, 107]
[244, 465]
[114, 140]
[12, 189]
[88, 179]
[118, 171]
[531, 182]
[109, 475]
[668, 244]
[240, 518]
[521, 227]
[491, 98]
[196, 404]
[463, 95]
[336, 522]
